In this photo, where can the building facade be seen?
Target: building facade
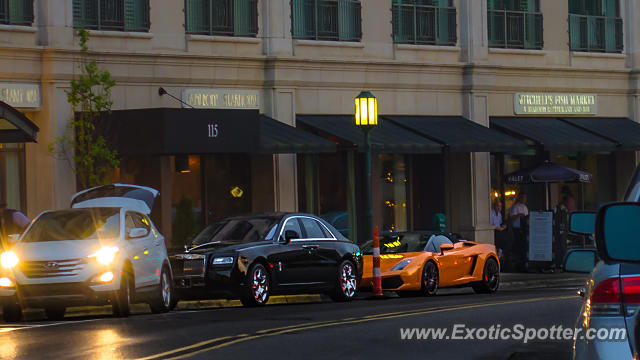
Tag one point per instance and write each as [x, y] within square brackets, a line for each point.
[471, 59]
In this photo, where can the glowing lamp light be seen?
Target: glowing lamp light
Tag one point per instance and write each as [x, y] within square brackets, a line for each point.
[366, 109]
[8, 259]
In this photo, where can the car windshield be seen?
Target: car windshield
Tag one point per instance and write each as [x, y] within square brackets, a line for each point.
[75, 224]
[397, 243]
[238, 230]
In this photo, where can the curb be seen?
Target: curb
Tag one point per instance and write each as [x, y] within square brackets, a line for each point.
[186, 305]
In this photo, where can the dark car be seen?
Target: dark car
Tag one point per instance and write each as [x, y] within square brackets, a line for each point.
[252, 257]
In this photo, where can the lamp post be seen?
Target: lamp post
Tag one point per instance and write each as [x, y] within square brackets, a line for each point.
[366, 117]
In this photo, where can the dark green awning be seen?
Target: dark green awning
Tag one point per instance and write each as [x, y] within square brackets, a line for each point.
[14, 126]
[460, 134]
[387, 137]
[553, 134]
[623, 131]
[277, 138]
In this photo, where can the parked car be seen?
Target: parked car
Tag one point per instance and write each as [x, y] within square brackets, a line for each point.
[612, 293]
[104, 250]
[418, 263]
[252, 257]
[339, 220]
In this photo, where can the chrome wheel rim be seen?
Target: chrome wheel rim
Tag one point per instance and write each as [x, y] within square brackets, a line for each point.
[166, 290]
[492, 275]
[348, 280]
[260, 285]
[430, 277]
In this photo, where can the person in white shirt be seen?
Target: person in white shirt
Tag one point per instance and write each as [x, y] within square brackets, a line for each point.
[496, 220]
[518, 216]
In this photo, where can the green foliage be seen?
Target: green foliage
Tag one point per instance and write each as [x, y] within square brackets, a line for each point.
[90, 97]
[185, 225]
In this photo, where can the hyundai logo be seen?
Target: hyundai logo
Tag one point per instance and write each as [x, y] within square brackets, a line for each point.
[50, 266]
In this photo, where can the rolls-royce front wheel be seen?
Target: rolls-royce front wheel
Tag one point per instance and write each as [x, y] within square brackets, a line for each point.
[347, 282]
[256, 288]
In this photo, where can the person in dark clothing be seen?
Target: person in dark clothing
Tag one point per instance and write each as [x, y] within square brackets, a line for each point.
[519, 216]
[11, 222]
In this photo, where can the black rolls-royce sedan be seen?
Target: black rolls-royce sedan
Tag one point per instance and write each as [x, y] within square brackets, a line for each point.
[252, 257]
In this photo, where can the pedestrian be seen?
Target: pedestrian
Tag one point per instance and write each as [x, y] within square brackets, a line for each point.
[518, 216]
[499, 229]
[11, 222]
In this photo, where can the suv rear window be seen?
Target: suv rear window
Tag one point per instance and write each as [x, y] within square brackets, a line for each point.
[75, 224]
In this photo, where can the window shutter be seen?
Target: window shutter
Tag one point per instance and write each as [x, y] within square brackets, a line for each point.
[136, 15]
[349, 22]
[443, 35]
[302, 15]
[575, 6]
[242, 17]
[20, 12]
[197, 14]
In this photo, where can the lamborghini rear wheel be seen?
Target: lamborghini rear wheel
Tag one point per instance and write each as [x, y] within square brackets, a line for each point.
[430, 279]
[490, 278]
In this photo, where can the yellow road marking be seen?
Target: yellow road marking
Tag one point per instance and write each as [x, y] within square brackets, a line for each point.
[309, 326]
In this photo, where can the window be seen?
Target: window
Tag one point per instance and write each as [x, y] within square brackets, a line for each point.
[424, 22]
[595, 25]
[335, 20]
[120, 15]
[222, 17]
[515, 24]
[16, 12]
[292, 224]
[312, 229]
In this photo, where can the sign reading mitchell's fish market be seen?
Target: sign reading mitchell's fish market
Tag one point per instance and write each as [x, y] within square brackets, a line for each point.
[555, 104]
[221, 98]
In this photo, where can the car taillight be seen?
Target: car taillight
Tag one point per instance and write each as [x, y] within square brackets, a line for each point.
[610, 296]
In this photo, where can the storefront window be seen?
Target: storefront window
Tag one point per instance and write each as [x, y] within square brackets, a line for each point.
[186, 197]
[12, 176]
[227, 179]
[394, 191]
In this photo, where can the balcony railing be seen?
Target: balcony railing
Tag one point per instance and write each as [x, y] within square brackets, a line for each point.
[424, 24]
[16, 12]
[595, 33]
[222, 17]
[119, 15]
[335, 20]
[515, 29]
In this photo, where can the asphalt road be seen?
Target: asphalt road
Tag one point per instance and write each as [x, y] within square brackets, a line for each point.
[362, 329]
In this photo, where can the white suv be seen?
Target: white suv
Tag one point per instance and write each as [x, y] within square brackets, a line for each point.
[104, 250]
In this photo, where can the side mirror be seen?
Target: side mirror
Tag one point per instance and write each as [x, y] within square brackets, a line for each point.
[137, 233]
[617, 232]
[445, 247]
[290, 235]
[582, 222]
[13, 238]
[580, 261]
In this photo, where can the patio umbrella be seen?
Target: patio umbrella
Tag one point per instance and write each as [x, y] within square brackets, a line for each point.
[548, 173]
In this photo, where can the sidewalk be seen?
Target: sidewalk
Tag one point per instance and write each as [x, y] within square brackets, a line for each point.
[538, 280]
[507, 281]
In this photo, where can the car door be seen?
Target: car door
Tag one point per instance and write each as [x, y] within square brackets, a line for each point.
[321, 245]
[290, 258]
[138, 251]
[152, 251]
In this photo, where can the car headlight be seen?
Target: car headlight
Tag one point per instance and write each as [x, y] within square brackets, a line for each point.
[8, 259]
[401, 265]
[105, 255]
[223, 260]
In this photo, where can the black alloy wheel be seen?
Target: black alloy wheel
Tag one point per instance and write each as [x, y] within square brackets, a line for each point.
[256, 289]
[490, 278]
[430, 279]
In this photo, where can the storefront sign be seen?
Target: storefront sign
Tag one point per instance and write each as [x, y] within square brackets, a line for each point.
[540, 235]
[555, 104]
[221, 98]
[20, 95]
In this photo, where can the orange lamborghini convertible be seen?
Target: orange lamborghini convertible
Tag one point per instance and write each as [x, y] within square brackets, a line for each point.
[418, 263]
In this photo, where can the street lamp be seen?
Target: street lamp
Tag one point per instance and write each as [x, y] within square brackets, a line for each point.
[366, 117]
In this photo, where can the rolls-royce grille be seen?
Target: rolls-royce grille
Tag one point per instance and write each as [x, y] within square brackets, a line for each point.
[52, 268]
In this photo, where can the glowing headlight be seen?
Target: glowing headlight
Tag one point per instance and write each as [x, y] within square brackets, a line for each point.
[8, 259]
[105, 255]
[401, 265]
[225, 260]
[6, 282]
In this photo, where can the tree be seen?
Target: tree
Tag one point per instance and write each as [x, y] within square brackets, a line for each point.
[90, 98]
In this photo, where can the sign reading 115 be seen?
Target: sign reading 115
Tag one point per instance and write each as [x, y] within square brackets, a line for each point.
[213, 130]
